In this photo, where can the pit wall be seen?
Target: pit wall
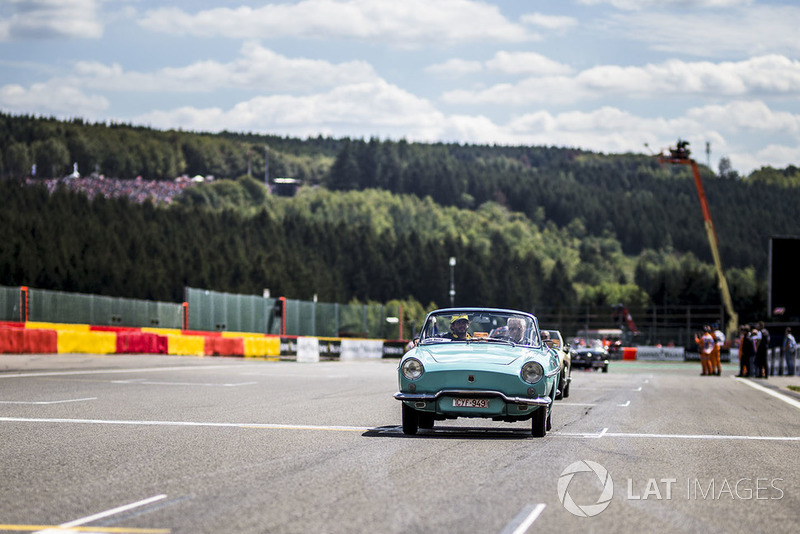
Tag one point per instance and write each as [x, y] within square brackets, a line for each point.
[58, 338]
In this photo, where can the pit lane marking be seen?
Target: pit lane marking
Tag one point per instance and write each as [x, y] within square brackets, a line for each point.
[49, 402]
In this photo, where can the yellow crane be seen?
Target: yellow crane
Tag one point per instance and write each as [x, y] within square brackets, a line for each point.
[680, 156]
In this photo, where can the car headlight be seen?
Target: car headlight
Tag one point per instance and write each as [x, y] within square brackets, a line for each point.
[531, 372]
[412, 369]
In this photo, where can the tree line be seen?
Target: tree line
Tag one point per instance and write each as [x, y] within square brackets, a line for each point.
[378, 220]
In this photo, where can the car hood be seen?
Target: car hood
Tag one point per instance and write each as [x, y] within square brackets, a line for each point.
[475, 353]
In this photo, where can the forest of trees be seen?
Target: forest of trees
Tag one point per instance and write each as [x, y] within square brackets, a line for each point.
[378, 220]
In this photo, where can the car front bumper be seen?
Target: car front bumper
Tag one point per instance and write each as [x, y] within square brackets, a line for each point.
[432, 397]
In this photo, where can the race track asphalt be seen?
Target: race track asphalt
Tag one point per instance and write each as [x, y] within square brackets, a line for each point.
[156, 444]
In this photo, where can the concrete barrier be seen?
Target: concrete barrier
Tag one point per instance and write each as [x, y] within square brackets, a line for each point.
[85, 342]
[307, 349]
[673, 354]
[359, 349]
[181, 345]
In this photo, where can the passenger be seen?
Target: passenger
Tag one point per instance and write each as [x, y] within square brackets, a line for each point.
[458, 328]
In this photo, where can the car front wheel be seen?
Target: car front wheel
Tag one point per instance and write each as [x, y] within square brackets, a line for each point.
[425, 420]
[410, 420]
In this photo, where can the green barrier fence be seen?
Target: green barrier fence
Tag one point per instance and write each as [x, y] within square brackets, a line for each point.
[205, 311]
[61, 307]
[10, 304]
[216, 311]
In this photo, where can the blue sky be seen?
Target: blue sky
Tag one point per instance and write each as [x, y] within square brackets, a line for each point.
[610, 76]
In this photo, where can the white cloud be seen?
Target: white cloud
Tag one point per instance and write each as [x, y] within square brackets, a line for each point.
[52, 98]
[549, 22]
[257, 68]
[767, 75]
[778, 156]
[680, 4]
[526, 63]
[49, 19]
[378, 107]
[743, 31]
[512, 63]
[454, 68]
[753, 116]
[409, 23]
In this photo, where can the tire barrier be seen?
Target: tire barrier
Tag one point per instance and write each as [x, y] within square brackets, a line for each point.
[57, 338]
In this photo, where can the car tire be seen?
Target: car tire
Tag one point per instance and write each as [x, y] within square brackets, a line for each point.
[560, 391]
[605, 368]
[539, 422]
[549, 425]
[566, 390]
[410, 420]
[425, 420]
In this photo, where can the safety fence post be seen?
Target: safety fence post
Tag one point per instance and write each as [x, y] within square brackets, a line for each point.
[23, 304]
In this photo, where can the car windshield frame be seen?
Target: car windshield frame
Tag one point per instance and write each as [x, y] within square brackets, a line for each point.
[484, 325]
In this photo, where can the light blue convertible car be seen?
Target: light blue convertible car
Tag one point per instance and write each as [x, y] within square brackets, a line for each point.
[478, 362]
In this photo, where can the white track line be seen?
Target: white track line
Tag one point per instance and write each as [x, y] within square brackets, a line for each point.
[603, 433]
[785, 398]
[525, 519]
[185, 423]
[101, 515]
[113, 371]
[146, 382]
[48, 402]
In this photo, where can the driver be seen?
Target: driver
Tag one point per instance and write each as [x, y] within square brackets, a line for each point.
[516, 329]
[458, 328]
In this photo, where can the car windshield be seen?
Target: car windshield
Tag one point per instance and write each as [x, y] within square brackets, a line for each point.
[480, 325]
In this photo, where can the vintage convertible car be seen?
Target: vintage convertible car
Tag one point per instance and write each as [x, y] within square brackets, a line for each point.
[591, 358]
[554, 340]
[478, 362]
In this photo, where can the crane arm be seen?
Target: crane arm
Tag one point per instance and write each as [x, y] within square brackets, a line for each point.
[733, 319]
